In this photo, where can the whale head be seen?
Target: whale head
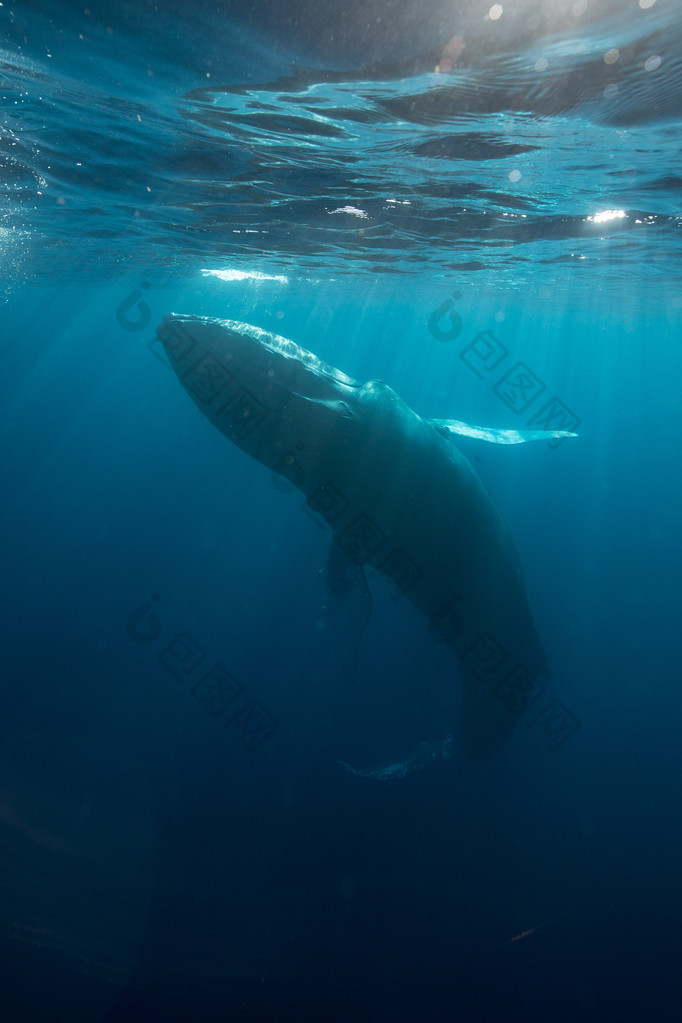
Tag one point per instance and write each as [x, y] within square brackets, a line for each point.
[275, 400]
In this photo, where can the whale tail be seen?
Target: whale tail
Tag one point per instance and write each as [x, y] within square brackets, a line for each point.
[427, 754]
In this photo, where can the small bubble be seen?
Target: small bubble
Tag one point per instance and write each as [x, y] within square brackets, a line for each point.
[652, 63]
[495, 12]
[645, 4]
[541, 64]
[611, 56]
[515, 175]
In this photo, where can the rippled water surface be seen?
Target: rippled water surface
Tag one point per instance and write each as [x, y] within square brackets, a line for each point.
[541, 145]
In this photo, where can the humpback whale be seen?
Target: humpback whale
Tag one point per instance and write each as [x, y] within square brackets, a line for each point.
[397, 494]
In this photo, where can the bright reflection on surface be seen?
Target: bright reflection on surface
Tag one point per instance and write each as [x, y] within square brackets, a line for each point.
[601, 218]
[352, 210]
[243, 275]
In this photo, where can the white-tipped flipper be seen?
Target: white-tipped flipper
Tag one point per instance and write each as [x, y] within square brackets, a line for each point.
[448, 427]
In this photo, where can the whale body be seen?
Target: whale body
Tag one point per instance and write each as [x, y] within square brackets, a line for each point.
[396, 492]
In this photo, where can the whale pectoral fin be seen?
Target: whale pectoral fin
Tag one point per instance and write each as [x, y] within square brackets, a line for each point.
[337, 406]
[348, 607]
[452, 427]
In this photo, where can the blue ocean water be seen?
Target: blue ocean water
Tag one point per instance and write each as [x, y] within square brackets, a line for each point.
[479, 205]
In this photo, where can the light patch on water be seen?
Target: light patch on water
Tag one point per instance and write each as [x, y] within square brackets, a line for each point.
[245, 275]
[353, 210]
[601, 218]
